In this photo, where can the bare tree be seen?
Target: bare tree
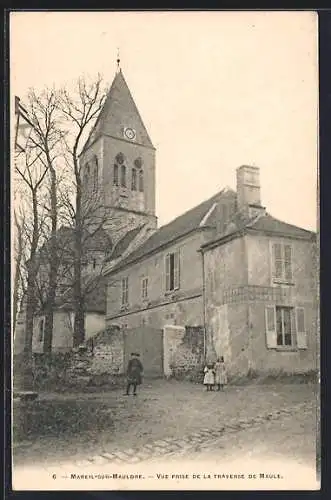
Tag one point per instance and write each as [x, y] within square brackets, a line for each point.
[31, 171]
[80, 113]
[47, 137]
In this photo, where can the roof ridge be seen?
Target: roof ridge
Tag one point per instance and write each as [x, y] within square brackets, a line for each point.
[191, 209]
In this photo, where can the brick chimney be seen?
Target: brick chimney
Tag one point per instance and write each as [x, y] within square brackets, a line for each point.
[249, 191]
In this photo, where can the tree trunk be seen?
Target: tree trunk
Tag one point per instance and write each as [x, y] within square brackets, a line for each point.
[16, 288]
[27, 380]
[79, 305]
[53, 269]
[17, 272]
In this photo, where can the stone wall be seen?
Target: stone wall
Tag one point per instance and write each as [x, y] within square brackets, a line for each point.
[107, 350]
[183, 350]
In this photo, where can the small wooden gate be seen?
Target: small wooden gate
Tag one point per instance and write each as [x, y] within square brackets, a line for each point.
[148, 342]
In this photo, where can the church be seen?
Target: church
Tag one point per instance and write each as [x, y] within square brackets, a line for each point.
[225, 278]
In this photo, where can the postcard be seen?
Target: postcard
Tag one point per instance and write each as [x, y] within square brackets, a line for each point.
[165, 250]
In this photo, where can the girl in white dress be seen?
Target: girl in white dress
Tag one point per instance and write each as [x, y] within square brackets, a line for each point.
[209, 377]
[220, 374]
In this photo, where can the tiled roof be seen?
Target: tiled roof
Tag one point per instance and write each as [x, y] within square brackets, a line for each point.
[268, 223]
[124, 243]
[184, 224]
[264, 223]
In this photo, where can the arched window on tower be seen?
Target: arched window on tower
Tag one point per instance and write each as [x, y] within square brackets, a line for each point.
[95, 174]
[123, 176]
[141, 181]
[134, 180]
[115, 178]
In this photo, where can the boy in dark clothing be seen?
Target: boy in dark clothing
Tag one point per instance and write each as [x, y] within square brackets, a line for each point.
[134, 373]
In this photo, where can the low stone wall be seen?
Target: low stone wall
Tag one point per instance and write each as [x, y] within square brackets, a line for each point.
[183, 352]
[100, 362]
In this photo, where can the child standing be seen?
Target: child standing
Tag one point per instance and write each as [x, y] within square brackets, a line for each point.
[209, 377]
[220, 374]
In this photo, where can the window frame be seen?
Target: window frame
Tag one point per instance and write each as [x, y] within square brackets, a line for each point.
[125, 291]
[134, 179]
[141, 181]
[282, 310]
[123, 179]
[298, 337]
[282, 261]
[116, 175]
[144, 288]
[174, 271]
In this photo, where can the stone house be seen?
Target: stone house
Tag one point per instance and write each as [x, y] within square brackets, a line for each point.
[244, 277]
[224, 278]
[260, 291]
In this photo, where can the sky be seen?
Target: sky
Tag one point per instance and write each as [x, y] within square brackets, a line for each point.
[215, 90]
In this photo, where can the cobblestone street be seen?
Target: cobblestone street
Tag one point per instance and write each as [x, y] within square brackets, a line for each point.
[173, 419]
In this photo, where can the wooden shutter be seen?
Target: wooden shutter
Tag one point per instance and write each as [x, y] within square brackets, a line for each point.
[270, 327]
[176, 270]
[301, 328]
[277, 260]
[167, 271]
[288, 262]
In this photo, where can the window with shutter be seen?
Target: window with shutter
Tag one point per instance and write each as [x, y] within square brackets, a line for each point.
[176, 270]
[277, 254]
[282, 262]
[301, 328]
[287, 262]
[270, 320]
[125, 291]
[167, 272]
[284, 326]
[172, 271]
[144, 288]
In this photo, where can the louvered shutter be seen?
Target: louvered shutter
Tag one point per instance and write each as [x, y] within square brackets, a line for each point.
[167, 272]
[277, 260]
[270, 326]
[288, 262]
[176, 270]
[301, 328]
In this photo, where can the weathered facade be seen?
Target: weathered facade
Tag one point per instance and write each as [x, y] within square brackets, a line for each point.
[225, 278]
[259, 320]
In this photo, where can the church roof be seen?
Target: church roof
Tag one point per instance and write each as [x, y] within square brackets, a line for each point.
[119, 111]
[124, 243]
[198, 217]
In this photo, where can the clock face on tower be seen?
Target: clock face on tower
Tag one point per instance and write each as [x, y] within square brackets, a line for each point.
[129, 133]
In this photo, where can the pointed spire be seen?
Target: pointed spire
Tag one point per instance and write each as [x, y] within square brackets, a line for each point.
[118, 60]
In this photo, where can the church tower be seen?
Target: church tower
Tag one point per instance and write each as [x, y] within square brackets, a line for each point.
[118, 161]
